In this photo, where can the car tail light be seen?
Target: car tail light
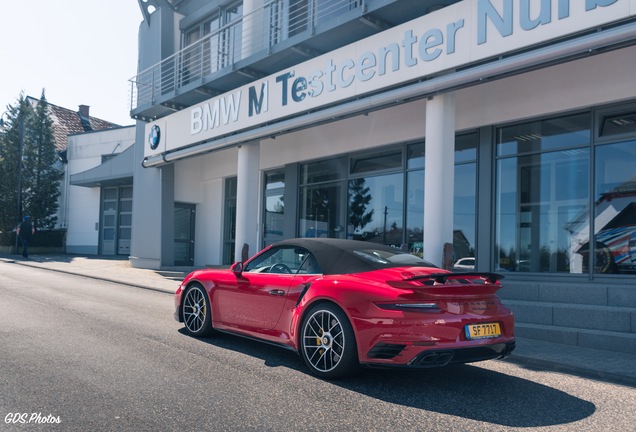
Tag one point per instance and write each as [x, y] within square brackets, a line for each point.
[410, 307]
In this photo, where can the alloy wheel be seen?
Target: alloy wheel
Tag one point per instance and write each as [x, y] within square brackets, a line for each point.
[195, 310]
[324, 340]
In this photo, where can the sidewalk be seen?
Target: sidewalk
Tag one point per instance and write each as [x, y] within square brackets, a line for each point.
[596, 364]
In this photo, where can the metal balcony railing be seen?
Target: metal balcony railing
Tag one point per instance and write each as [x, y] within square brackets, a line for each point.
[274, 22]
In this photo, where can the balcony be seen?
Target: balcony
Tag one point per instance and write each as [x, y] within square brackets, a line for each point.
[280, 34]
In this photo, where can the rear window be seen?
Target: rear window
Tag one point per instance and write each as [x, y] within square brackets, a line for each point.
[381, 258]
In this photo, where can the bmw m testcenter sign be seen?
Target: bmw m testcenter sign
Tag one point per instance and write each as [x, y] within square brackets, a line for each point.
[457, 35]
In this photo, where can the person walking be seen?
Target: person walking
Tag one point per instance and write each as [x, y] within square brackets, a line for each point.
[25, 231]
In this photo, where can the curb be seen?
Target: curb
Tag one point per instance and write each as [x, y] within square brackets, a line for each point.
[100, 278]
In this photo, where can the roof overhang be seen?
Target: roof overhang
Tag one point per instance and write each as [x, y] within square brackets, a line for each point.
[114, 172]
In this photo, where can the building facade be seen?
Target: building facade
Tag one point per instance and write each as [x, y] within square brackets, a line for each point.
[98, 181]
[499, 130]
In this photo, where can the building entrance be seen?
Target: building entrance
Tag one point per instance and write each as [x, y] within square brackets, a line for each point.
[184, 218]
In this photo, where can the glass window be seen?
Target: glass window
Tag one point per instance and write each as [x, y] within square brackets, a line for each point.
[213, 43]
[415, 212]
[274, 220]
[466, 147]
[415, 156]
[615, 210]
[321, 211]
[229, 221]
[126, 192]
[281, 260]
[125, 233]
[541, 207]
[544, 135]
[618, 124]
[325, 170]
[465, 201]
[377, 162]
[109, 234]
[464, 209]
[125, 205]
[125, 219]
[310, 265]
[542, 199]
[376, 209]
[110, 193]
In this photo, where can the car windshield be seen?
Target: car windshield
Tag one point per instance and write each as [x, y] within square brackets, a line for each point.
[382, 258]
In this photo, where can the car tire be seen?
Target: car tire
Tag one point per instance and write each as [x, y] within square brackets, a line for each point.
[196, 311]
[604, 260]
[328, 343]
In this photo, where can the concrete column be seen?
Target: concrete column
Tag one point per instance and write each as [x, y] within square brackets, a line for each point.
[153, 210]
[253, 27]
[439, 176]
[247, 192]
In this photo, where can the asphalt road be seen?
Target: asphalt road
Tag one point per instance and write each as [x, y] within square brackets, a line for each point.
[97, 356]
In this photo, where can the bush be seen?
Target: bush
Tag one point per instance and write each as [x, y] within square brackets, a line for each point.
[7, 238]
[45, 238]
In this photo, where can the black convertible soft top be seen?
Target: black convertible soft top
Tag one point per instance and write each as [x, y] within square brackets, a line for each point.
[337, 256]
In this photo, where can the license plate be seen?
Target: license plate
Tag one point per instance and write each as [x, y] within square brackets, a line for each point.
[482, 331]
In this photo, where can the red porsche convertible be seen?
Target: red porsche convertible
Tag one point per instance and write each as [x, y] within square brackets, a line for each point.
[346, 303]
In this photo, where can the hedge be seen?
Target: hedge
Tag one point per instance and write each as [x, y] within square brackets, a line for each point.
[48, 238]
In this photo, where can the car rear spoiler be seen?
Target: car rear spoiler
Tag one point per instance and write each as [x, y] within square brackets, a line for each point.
[442, 278]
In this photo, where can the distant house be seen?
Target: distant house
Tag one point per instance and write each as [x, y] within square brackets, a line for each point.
[88, 146]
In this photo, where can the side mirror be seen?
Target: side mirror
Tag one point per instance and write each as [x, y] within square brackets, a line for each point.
[237, 268]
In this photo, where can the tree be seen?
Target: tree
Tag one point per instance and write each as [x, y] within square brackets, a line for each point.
[359, 199]
[31, 129]
[10, 141]
[41, 177]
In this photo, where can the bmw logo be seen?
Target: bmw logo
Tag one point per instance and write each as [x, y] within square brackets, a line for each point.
[154, 137]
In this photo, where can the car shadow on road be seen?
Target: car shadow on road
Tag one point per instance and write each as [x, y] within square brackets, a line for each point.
[467, 391]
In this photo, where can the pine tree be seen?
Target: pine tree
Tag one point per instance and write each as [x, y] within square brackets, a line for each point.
[31, 129]
[10, 142]
[41, 177]
[359, 199]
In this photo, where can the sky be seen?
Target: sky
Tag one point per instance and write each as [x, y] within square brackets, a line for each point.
[81, 52]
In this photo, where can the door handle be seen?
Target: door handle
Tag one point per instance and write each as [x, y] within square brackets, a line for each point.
[277, 292]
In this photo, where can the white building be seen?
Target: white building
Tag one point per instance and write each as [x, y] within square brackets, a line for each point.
[498, 122]
[99, 190]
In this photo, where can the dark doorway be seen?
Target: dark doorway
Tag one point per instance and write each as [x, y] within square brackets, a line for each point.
[184, 218]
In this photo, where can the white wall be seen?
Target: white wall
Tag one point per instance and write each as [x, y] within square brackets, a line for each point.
[199, 181]
[596, 80]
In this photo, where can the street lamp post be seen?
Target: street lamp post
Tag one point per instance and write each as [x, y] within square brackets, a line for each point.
[21, 143]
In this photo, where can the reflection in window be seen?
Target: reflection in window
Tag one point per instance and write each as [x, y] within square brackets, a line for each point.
[415, 156]
[465, 201]
[544, 135]
[464, 211]
[229, 220]
[321, 211]
[376, 162]
[376, 207]
[279, 260]
[326, 170]
[542, 199]
[615, 210]
[415, 212]
[274, 220]
[618, 124]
